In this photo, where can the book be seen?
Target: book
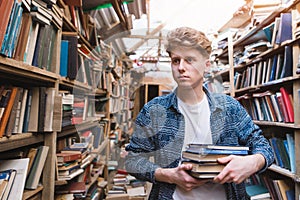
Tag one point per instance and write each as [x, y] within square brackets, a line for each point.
[73, 64]
[67, 157]
[37, 168]
[64, 58]
[287, 104]
[202, 158]
[291, 151]
[216, 149]
[21, 167]
[31, 155]
[7, 177]
[285, 28]
[288, 62]
[210, 167]
[5, 11]
[8, 109]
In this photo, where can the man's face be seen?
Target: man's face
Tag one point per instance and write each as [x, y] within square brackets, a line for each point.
[188, 67]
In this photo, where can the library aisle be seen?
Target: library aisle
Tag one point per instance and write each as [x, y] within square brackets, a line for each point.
[74, 75]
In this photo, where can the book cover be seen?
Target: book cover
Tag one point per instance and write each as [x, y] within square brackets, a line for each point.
[5, 11]
[285, 28]
[27, 112]
[64, 58]
[287, 69]
[202, 158]
[21, 166]
[31, 155]
[291, 151]
[7, 111]
[23, 36]
[216, 149]
[67, 157]
[37, 168]
[7, 176]
[208, 167]
[14, 112]
[282, 107]
[73, 54]
[22, 110]
[287, 104]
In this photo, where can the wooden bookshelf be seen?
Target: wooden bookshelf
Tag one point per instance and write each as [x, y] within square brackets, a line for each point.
[254, 88]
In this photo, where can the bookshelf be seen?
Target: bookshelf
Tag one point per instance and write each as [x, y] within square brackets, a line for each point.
[258, 77]
[34, 63]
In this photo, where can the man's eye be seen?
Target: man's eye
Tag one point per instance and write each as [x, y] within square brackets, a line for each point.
[189, 60]
[175, 61]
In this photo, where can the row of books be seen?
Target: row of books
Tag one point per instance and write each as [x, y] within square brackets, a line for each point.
[270, 106]
[265, 186]
[272, 35]
[28, 37]
[265, 71]
[284, 150]
[27, 109]
[22, 173]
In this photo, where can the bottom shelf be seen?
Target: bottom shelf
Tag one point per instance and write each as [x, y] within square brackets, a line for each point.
[29, 193]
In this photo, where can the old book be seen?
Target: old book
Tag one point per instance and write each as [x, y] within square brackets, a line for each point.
[37, 168]
[34, 111]
[203, 175]
[64, 58]
[72, 37]
[201, 158]
[7, 110]
[31, 155]
[15, 111]
[5, 10]
[8, 177]
[23, 38]
[287, 104]
[21, 166]
[211, 167]
[217, 149]
[22, 110]
[288, 62]
[31, 43]
[67, 157]
[49, 109]
[285, 28]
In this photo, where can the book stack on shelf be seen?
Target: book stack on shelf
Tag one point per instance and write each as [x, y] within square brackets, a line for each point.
[204, 158]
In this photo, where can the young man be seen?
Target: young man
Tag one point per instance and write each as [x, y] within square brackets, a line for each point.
[191, 114]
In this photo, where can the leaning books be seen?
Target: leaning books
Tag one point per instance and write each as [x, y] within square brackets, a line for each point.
[204, 158]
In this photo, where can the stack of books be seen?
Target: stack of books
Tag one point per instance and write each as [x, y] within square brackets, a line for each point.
[204, 158]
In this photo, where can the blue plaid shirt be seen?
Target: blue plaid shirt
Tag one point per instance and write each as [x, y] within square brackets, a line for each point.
[159, 134]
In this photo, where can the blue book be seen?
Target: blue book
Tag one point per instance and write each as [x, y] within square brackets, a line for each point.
[9, 27]
[291, 151]
[273, 68]
[287, 62]
[274, 144]
[64, 51]
[10, 46]
[285, 28]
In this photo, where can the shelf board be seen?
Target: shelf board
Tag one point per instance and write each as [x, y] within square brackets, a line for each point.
[284, 172]
[19, 70]
[20, 140]
[68, 130]
[29, 193]
[278, 124]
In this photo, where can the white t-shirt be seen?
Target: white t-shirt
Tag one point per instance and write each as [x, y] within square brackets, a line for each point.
[197, 130]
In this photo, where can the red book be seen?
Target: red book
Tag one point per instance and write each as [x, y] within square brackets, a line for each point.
[67, 157]
[282, 107]
[288, 104]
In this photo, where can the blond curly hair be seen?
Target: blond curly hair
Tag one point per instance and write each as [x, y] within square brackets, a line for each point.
[190, 38]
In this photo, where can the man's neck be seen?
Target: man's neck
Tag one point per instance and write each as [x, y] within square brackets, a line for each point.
[190, 96]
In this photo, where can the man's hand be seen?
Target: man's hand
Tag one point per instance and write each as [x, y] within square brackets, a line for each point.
[179, 176]
[238, 168]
